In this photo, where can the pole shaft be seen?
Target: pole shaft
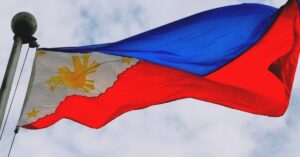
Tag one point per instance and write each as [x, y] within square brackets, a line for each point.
[9, 76]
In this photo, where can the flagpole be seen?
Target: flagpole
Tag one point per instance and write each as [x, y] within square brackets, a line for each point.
[24, 26]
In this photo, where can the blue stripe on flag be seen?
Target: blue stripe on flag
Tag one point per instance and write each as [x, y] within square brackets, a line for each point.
[199, 44]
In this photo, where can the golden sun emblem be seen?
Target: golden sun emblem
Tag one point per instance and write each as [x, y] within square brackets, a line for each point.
[76, 76]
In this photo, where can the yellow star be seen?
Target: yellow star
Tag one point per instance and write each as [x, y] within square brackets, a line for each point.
[33, 113]
[126, 60]
[40, 53]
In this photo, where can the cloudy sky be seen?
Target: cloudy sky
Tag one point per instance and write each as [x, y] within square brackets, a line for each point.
[185, 128]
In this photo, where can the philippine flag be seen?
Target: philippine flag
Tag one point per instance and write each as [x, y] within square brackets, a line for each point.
[242, 56]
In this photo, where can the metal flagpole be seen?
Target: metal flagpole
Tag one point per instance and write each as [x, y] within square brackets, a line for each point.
[24, 26]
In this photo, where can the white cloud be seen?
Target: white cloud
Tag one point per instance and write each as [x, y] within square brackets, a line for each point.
[183, 128]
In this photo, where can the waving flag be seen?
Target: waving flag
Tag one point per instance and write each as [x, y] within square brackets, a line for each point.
[243, 57]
